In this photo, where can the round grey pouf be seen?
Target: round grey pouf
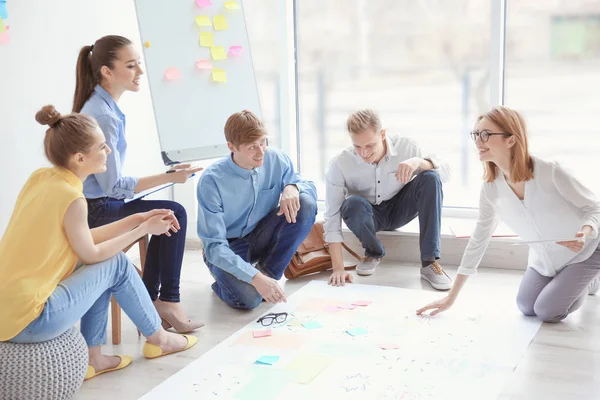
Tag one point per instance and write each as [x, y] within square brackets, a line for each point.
[52, 370]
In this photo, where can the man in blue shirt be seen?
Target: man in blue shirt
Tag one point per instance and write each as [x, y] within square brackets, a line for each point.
[252, 208]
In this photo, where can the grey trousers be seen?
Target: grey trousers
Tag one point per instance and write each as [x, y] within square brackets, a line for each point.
[552, 299]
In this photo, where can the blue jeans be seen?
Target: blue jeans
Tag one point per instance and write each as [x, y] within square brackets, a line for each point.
[165, 254]
[85, 295]
[272, 244]
[421, 197]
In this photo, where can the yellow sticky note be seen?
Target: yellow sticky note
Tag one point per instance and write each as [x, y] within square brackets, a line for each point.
[203, 20]
[307, 367]
[206, 39]
[2, 28]
[219, 22]
[231, 5]
[147, 45]
[219, 75]
[218, 53]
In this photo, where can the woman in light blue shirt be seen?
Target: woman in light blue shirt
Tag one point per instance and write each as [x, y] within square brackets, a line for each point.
[105, 70]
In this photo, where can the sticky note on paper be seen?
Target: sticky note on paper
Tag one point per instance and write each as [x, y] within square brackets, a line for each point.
[203, 64]
[3, 10]
[361, 303]
[259, 334]
[268, 385]
[312, 325]
[219, 22]
[203, 3]
[347, 306]
[203, 20]
[389, 346]
[235, 50]
[5, 37]
[267, 360]
[219, 75]
[206, 39]
[172, 74]
[218, 53]
[2, 28]
[231, 5]
[306, 367]
[356, 331]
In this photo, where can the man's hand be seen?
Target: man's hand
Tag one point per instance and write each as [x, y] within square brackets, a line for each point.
[289, 203]
[268, 288]
[407, 168]
[339, 277]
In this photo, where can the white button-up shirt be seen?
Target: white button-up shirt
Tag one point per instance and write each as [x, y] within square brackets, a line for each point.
[555, 206]
[349, 175]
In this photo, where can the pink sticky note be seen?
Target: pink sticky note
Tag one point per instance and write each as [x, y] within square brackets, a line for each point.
[265, 333]
[5, 37]
[347, 307]
[235, 50]
[389, 346]
[172, 74]
[203, 3]
[361, 303]
[203, 64]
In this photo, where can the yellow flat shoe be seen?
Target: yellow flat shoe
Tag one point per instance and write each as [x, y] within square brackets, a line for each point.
[153, 351]
[92, 373]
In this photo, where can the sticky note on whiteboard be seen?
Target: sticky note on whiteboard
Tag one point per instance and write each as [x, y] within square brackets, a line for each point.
[235, 50]
[218, 53]
[203, 20]
[172, 74]
[206, 39]
[219, 75]
[203, 64]
[219, 22]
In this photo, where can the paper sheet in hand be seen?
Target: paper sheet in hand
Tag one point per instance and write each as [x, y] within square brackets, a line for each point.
[524, 242]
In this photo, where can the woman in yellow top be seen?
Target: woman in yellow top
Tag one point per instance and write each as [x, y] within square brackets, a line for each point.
[43, 290]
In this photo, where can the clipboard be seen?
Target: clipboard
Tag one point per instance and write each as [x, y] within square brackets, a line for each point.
[144, 193]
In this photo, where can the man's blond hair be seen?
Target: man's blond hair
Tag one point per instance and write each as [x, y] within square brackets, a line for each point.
[244, 127]
[363, 120]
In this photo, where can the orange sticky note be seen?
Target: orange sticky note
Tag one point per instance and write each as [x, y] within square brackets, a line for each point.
[219, 75]
[203, 64]
[206, 39]
[218, 53]
[219, 22]
[147, 45]
[265, 333]
[203, 20]
[172, 74]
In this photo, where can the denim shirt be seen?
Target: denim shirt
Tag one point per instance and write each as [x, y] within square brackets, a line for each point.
[232, 201]
[111, 120]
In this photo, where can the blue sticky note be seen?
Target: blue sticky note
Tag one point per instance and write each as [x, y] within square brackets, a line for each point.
[267, 360]
[312, 325]
[356, 331]
[3, 11]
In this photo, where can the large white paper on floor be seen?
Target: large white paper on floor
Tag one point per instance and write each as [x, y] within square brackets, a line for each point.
[378, 351]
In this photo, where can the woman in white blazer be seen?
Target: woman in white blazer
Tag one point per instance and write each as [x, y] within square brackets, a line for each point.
[539, 200]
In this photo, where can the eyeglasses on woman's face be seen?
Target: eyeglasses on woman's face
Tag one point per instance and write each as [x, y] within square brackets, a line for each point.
[484, 135]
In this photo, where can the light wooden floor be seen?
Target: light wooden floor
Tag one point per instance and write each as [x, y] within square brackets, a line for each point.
[563, 361]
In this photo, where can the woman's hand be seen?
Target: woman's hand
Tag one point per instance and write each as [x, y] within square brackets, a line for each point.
[161, 224]
[437, 306]
[182, 172]
[145, 216]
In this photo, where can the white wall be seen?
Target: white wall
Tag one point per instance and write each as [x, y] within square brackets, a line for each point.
[38, 68]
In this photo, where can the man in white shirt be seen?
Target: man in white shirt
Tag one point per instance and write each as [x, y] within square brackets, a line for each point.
[382, 183]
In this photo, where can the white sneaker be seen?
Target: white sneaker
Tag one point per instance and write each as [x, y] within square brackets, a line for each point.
[435, 275]
[367, 266]
[594, 286]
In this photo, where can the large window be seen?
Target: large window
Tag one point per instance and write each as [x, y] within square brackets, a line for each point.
[423, 65]
[553, 77]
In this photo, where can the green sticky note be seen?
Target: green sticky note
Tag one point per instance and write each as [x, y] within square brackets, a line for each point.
[312, 325]
[206, 39]
[218, 53]
[356, 331]
[266, 386]
[267, 360]
[219, 22]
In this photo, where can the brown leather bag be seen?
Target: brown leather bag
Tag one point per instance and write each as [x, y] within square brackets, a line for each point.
[313, 255]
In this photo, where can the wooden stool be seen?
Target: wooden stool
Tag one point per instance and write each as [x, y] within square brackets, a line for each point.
[115, 308]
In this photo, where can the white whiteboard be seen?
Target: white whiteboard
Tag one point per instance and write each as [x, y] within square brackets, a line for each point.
[191, 111]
